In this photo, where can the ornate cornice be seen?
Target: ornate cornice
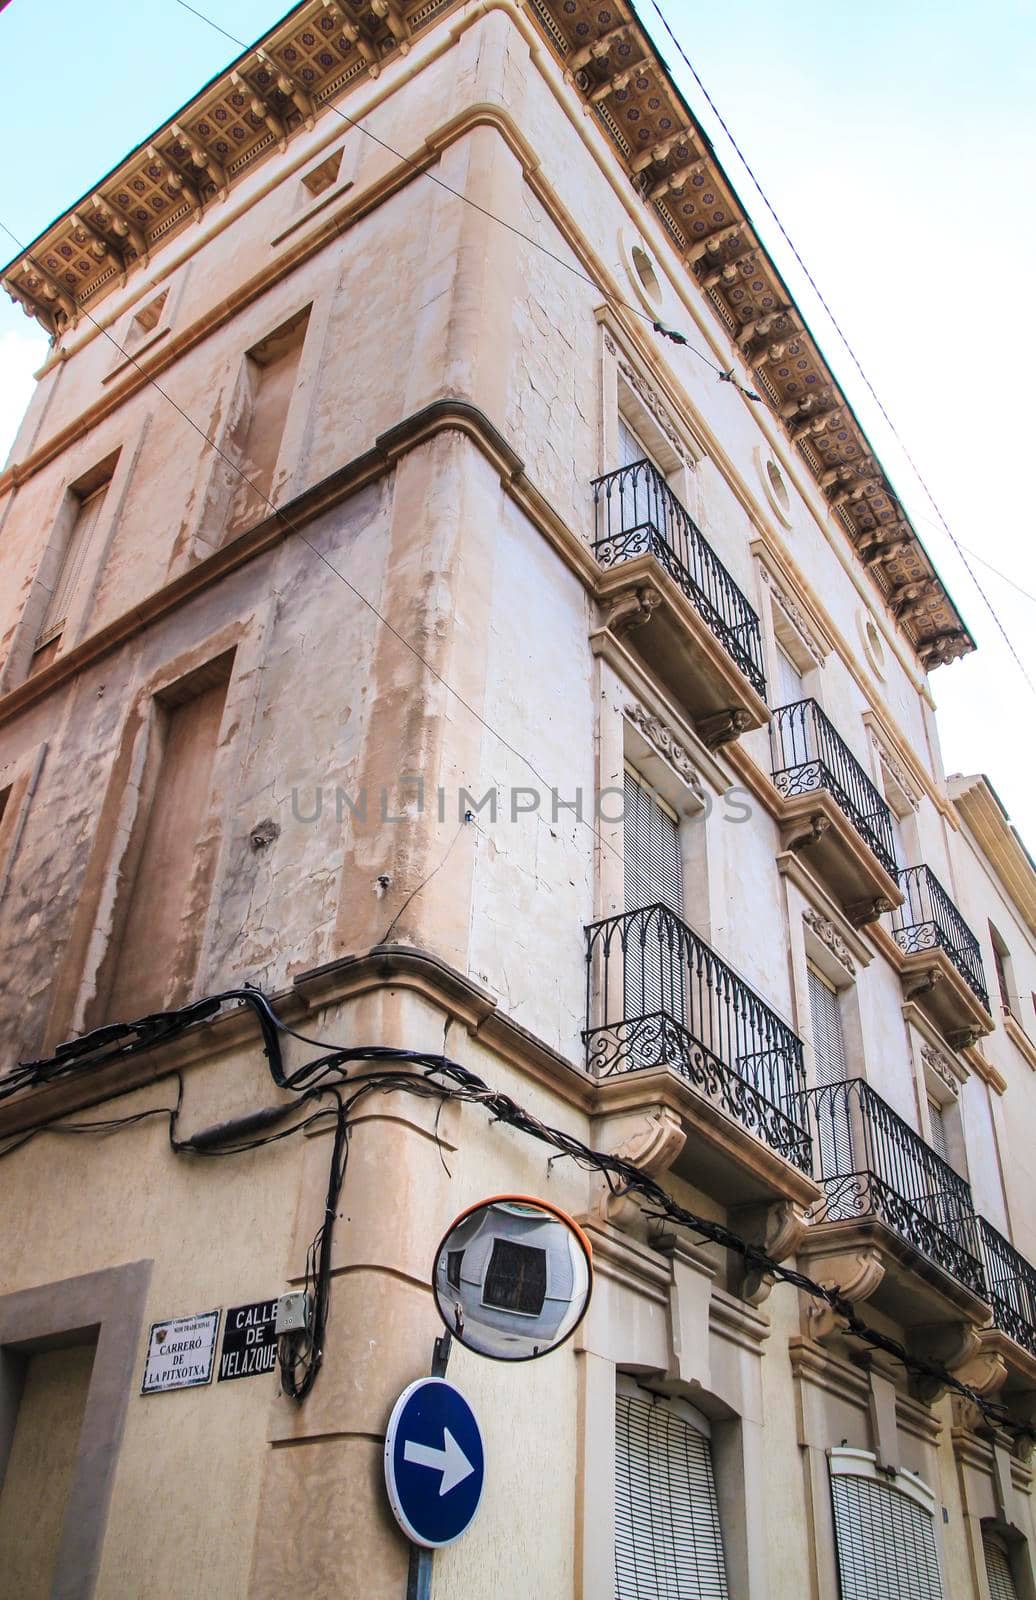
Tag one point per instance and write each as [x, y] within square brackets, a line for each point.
[795, 615]
[319, 51]
[254, 107]
[662, 739]
[626, 86]
[829, 935]
[943, 1067]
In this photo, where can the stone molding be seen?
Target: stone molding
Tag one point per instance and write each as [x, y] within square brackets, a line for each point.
[665, 743]
[829, 935]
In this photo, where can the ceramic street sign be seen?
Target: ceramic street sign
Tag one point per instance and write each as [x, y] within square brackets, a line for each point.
[180, 1353]
[434, 1462]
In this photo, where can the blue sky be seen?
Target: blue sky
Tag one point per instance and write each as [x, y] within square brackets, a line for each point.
[897, 144]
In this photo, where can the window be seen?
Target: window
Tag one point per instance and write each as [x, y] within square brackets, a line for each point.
[77, 524]
[831, 1110]
[255, 438]
[516, 1278]
[884, 1532]
[998, 1569]
[1004, 971]
[940, 1136]
[789, 686]
[167, 870]
[668, 1539]
[653, 872]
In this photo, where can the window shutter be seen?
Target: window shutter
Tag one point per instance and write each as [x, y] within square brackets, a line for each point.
[630, 447]
[998, 1571]
[653, 869]
[668, 1541]
[886, 1542]
[831, 1111]
[87, 518]
[937, 1118]
[789, 680]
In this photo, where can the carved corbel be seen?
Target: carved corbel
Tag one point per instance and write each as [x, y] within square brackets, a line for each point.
[652, 1141]
[618, 80]
[631, 609]
[674, 181]
[599, 51]
[855, 1274]
[360, 42]
[201, 158]
[922, 983]
[722, 727]
[112, 220]
[862, 912]
[729, 273]
[779, 1229]
[760, 327]
[816, 827]
[878, 551]
[660, 152]
[964, 1038]
[263, 108]
[98, 246]
[806, 406]
[954, 1346]
[704, 247]
[819, 425]
[47, 291]
[178, 180]
[32, 307]
[985, 1371]
[389, 12]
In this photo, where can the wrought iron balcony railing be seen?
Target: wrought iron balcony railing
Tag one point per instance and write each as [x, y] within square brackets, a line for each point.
[657, 995]
[929, 920]
[636, 513]
[1011, 1283]
[808, 754]
[870, 1163]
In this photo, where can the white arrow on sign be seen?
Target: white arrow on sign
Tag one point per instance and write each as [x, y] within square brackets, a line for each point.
[450, 1460]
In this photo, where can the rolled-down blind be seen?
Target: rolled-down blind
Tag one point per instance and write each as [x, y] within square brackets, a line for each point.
[653, 870]
[998, 1571]
[886, 1542]
[668, 1542]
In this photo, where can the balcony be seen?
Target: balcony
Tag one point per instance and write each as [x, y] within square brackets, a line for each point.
[693, 625]
[1011, 1291]
[941, 963]
[660, 1004]
[831, 813]
[886, 1191]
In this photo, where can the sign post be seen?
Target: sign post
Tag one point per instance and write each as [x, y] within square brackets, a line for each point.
[434, 1470]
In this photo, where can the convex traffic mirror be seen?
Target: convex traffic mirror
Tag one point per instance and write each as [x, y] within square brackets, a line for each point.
[512, 1277]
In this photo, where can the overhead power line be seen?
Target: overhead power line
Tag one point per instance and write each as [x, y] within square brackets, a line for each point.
[839, 330]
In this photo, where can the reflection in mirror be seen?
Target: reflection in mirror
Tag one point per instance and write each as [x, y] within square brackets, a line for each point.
[512, 1278]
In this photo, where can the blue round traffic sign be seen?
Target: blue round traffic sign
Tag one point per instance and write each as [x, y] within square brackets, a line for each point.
[434, 1462]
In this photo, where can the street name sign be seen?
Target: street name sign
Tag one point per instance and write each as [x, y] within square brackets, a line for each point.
[180, 1353]
[249, 1341]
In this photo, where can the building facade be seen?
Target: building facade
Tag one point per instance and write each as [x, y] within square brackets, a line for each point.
[396, 619]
